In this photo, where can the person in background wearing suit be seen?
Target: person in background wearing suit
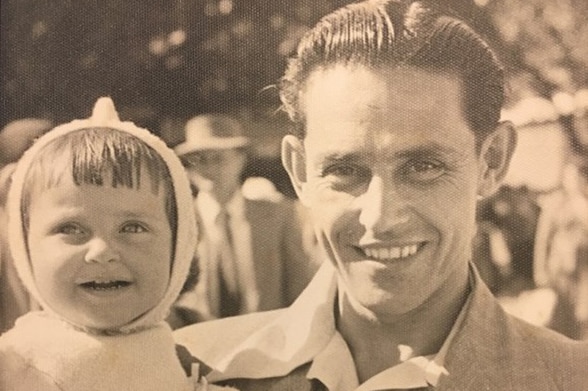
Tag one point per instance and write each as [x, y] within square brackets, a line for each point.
[251, 253]
[399, 136]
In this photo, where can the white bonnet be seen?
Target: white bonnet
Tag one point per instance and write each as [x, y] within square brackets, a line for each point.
[105, 115]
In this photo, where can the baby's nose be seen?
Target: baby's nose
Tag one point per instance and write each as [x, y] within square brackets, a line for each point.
[100, 251]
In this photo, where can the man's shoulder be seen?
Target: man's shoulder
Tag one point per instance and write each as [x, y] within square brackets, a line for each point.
[504, 350]
[213, 339]
[552, 346]
[538, 350]
[490, 322]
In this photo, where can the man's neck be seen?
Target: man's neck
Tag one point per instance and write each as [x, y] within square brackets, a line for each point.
[376, 344]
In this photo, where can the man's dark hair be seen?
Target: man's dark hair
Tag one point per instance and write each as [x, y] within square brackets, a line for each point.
[400, 33]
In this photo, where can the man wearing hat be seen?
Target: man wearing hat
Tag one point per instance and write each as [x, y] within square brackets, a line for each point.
[251, 256]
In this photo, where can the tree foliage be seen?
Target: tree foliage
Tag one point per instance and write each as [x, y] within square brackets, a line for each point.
[181, 57]
[546, 39]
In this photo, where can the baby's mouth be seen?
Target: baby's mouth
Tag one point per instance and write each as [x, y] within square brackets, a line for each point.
[105, 285]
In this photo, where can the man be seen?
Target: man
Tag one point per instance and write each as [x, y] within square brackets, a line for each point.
[398, 136]
[250, 255]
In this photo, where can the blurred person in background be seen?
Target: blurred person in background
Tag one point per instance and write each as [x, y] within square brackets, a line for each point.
[561, 247]
[491, 254]
[15, 138]
[509, 219]
[251, 252]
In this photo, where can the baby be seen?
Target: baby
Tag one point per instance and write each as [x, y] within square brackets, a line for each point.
[103, 233]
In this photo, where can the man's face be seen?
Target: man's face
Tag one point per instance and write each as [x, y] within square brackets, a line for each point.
[391, 180]
[215, 170]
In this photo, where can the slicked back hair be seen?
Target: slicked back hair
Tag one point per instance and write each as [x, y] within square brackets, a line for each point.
[400, 33]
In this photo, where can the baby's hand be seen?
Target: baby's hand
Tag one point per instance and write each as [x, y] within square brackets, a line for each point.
[202, 384]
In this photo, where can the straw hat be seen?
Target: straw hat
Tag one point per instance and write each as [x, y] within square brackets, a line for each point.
[212, 131]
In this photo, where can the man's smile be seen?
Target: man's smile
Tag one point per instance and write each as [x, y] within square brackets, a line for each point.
[388, 253]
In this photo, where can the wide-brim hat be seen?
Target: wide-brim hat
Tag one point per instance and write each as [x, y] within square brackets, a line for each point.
[212, 131]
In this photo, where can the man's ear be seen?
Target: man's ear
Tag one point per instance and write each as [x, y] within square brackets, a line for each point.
[495, 155]
[294, 161]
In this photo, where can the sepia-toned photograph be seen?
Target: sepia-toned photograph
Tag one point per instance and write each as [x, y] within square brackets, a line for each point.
[302, 195]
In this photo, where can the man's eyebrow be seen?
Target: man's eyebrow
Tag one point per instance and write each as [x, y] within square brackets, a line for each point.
[429, 149]
[342, 157]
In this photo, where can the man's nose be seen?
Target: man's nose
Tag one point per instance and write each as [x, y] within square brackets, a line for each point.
[382, 206]
[101, 250]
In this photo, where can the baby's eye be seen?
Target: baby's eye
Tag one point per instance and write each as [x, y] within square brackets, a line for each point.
[70, 229]
[424, 170]
[134, 227]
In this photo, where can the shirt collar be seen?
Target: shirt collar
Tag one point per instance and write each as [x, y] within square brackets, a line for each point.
[306, 332]
[209, 207]
[334, 366]
[290, 340]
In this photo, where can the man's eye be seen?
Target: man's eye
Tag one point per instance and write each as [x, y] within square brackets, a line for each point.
[70, 229]
[345, 177]
[342, 170]
[424, 170]
[134, 228]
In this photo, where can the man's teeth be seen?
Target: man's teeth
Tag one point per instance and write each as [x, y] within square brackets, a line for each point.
[105, 285]
[391, 252]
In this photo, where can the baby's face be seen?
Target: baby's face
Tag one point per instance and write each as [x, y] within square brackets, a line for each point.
[100, 255]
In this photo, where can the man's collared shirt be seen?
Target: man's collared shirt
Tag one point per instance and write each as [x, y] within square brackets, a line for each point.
[307, 333]
[334, 367]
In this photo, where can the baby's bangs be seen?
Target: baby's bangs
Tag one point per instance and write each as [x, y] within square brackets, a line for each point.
[99, 156]
[102, 154]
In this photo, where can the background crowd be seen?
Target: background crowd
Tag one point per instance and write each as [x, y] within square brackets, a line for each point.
[169, 62]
